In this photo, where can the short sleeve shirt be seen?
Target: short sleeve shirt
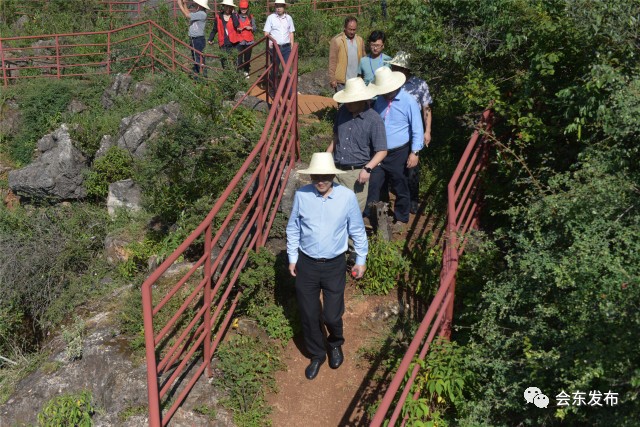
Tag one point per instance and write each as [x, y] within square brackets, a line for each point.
[197, 21]
[418, 88]
[359, 137]
[279, 27]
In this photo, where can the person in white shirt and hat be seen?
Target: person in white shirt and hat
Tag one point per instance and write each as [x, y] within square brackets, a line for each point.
[419, 89]
[279, 26]
[324, 216]
[197, 20]
[359, 140]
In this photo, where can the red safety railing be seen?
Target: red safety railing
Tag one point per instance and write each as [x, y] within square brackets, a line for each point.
[463, 194]
[179, 350]
[144, 45]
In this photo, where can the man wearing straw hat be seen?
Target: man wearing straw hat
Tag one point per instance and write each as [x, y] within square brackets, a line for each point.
[197, 21]
[359, 140]
[324, 216]
[279, 25]
[403, 126]
[419, 89]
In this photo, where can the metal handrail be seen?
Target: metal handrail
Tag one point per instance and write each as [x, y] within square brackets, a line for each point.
[462, 190]
[269, 165]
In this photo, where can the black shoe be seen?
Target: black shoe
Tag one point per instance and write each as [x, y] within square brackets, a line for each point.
[336, 357]
[312, 370]
[414, 207]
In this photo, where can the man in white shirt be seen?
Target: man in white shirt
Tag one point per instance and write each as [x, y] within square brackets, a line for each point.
[280, 26]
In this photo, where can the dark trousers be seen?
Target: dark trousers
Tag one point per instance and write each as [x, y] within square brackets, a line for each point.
[392, 169]
[244, 58]
[413, 179]
[328, 277]
[198, 44]
[285, 50]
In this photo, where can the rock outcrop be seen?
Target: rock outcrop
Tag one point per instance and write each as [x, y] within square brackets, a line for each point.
[137, 129]
[57, 173]
[124, 194]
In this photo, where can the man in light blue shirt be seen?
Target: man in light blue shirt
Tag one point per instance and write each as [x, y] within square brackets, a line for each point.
[375, 59]
[405, 138]
[323, 217]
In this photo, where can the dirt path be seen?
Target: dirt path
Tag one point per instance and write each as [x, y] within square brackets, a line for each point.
[339, 397]
[332, 398]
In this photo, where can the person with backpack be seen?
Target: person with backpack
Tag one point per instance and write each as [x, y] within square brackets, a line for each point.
[197, 20]
[226, 27]
[246, 30]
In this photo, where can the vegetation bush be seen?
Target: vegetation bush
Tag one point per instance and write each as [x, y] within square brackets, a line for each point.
[68, 410]
[247, 368]
[115, 165]
[385, 265]
[269, 296]
[48, 262]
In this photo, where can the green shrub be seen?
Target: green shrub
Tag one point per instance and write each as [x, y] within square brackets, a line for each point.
[115, 165]
[247, 371]
[68, 410]
[385, 265]
[268, 298]
[73, 336]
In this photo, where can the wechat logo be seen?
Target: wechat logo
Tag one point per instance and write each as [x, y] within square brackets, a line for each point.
[534, 395]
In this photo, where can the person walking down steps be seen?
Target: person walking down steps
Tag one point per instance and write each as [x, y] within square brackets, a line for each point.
[197, 20]
[324, 216]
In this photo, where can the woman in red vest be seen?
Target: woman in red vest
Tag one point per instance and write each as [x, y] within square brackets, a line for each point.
[246, 29]
[225, 27]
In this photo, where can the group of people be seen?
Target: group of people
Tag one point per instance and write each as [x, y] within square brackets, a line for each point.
[382, 124]
[235, 31]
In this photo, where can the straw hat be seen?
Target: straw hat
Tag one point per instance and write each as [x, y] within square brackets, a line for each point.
[321, 164]
[227, 3]
[386, 81]
[280, 2]
[401, 60]
[354, 90]
[203, 3]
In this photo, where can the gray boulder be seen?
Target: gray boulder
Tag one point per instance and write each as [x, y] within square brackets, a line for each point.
[57, 174]
[76, 106]
[251, 102]
[10, 117]
[120, 86]
[124, 194]
[137, 129]
[141, 90]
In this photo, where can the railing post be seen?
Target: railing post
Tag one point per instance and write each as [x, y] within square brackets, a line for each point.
[109, 53]
[58, 56]
[4, 68]
[262, 188]
[152, 369]
[294, 74]
[153, 68]
[207, 300]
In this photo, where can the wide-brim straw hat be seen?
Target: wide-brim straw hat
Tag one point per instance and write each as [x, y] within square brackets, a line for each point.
[227, 3]
[354, 90]
[386, 81]
[280, 2]
[401, 60]
[203, 3]
[321, 164]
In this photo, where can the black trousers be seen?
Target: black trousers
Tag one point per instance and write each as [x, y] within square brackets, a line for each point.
[392, 169]
[328, 277]
[244, 58]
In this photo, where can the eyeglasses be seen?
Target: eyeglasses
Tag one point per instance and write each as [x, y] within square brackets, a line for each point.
[376, 44]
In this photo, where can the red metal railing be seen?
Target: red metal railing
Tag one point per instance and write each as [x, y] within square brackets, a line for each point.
[179, 354]
[138, 46]
[462, 214]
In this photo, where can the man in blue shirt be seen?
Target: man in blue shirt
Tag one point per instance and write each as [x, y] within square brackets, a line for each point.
[323, 217]
[405, 138]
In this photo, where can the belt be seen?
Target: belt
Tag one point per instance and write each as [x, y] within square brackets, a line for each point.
[350, 167]
[397, 148]
[319, 260]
